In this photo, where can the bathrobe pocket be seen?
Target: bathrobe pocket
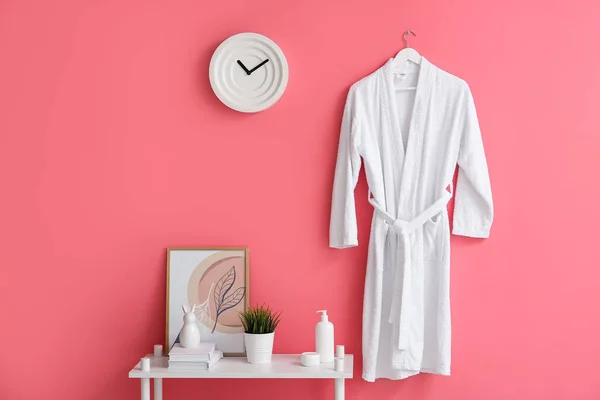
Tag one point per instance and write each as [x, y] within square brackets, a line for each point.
[433, 238]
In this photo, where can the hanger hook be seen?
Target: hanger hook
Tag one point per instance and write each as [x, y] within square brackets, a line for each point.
[406, 33]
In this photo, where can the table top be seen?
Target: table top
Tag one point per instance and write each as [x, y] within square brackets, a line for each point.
[281, 366]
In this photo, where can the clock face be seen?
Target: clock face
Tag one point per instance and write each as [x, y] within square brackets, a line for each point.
[248, 72]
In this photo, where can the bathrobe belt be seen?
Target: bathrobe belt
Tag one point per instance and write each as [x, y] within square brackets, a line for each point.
[401, 300]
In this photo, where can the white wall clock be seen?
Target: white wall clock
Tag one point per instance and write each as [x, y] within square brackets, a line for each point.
[248, 72]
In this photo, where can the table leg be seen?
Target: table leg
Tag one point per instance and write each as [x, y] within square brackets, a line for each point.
[339, 389]
[157, 388]
[145, 388]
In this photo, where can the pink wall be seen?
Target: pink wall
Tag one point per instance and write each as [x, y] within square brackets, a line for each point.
[112, 147]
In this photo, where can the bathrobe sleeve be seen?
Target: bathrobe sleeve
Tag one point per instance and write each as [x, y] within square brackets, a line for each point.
[473, 207]
[343, 229]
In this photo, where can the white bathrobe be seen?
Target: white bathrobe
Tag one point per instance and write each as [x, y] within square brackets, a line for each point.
[411, 142]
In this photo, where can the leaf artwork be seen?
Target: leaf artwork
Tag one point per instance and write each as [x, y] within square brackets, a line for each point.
[233, 299]
[202, 310]
[223, 286]
[223, 299]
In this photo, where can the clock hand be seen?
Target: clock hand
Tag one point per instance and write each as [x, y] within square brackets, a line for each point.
[244, 67]
[258, 66]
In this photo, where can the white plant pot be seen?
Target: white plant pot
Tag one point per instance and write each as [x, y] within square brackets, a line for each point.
[259, 348]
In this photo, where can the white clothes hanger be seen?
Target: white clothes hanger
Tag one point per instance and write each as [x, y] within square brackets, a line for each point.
[403, 59]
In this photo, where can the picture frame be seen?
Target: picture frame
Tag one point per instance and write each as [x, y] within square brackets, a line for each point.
[217, 280]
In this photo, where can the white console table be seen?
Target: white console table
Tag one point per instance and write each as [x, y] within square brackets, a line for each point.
[283, 366]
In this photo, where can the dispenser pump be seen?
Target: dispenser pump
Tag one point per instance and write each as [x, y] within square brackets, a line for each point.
[324, 317]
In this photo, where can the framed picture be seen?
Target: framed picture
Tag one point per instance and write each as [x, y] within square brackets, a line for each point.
[216, 280]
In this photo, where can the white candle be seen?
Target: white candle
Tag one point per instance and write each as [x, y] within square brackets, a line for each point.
[339, 351]
[339, 364]
[146, 364]
[158, 350]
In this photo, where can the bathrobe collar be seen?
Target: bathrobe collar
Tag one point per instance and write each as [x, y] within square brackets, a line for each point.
[411, 157]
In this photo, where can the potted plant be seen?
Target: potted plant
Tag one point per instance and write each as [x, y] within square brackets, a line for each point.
[259, 331]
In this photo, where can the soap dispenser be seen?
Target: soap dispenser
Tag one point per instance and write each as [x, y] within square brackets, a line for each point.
[324, 338]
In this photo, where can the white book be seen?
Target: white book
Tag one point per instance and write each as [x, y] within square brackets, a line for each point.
[195, 366]
[193, 357]
[203, 349]
[200, 358]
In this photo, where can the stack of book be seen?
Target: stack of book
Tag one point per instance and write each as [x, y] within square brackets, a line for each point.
[193, 359]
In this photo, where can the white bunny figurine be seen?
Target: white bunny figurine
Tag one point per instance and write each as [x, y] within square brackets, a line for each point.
[189, 336]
